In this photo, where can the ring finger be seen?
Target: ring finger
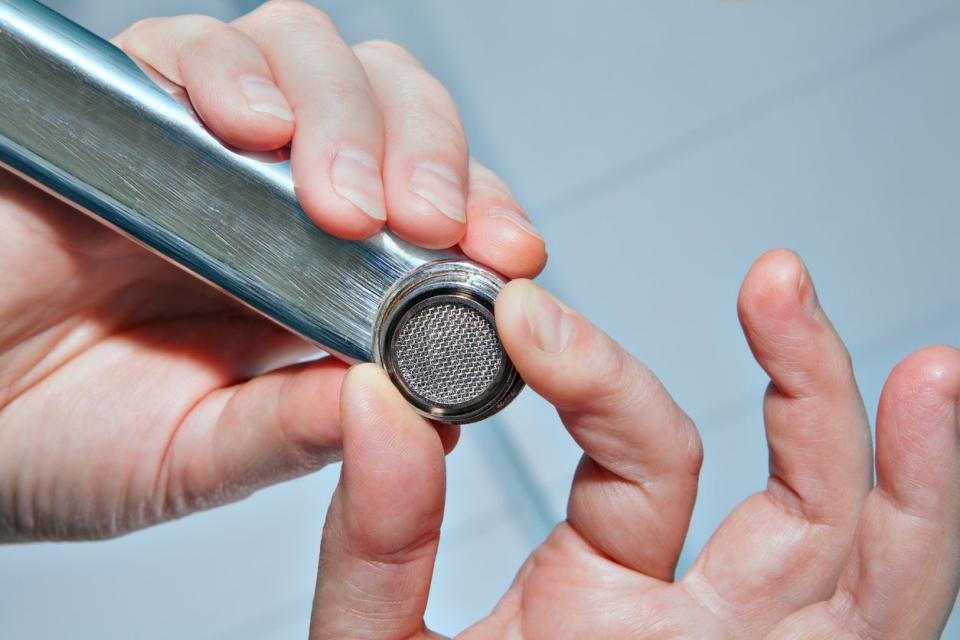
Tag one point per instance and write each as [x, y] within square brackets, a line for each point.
[425, 169]
[337, 151]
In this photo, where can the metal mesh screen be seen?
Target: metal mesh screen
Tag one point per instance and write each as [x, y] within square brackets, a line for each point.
[448, 353]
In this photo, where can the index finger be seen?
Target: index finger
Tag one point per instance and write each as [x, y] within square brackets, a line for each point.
[337, 150]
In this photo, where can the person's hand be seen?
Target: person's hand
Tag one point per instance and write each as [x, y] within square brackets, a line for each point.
[822, 553]
[129, 392]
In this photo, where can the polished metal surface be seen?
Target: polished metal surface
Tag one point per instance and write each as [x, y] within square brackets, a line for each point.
[448, 371]
[84, 121]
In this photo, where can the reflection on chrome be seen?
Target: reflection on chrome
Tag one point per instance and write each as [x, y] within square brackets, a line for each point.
[87, 123]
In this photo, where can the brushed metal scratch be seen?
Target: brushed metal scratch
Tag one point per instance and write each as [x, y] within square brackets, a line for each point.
[78, 116]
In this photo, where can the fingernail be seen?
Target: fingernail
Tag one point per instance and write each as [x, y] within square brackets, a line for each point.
[441, 187]
[264, 97]
[517, 218]
[550, 324]
[356, 177]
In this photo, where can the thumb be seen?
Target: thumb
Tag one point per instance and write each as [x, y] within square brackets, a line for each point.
[382, 530]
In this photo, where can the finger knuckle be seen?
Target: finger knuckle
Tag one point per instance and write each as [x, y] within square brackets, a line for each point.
[437, 101]
[350, 91]
[294, 12]
[844, 611]
[484, 181]
[389, 49]
[431, 111]
[456, 142]
[192, 25]
[440, 127]
[134, 35]
[449, 119]
[139, 27]
[691, 446]
[201, 25]
[214, 36]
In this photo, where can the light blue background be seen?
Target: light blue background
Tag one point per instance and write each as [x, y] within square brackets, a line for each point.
[660, 147]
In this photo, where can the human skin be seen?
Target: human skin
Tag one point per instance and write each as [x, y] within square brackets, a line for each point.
[823, 552]
[130, 393]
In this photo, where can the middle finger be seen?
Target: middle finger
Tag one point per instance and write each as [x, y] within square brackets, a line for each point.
[425, 170]
[337, 152]
[784, 548]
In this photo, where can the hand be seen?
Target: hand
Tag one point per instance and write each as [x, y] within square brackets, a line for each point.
[131, 393]
[820, 554]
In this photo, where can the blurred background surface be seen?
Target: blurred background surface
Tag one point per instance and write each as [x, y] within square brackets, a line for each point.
[660, 147]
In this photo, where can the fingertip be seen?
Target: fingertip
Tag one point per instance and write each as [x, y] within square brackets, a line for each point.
[558, 353]
[531, 318]
[504, 239]
[362, 376]
[508, 313]
[777, 286]
[334, 213]
[230, 85]
[368, 390]
[393, 465]
[233, 120]
[510, 292]
[923, 384]
[499, 234]
[789, 333]
[439, 185]
[449, 435]
[367, 395]
[514, 227]
[267, 121]
[517, 313]
[426, 151]
[372, 407]
[918, 446]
